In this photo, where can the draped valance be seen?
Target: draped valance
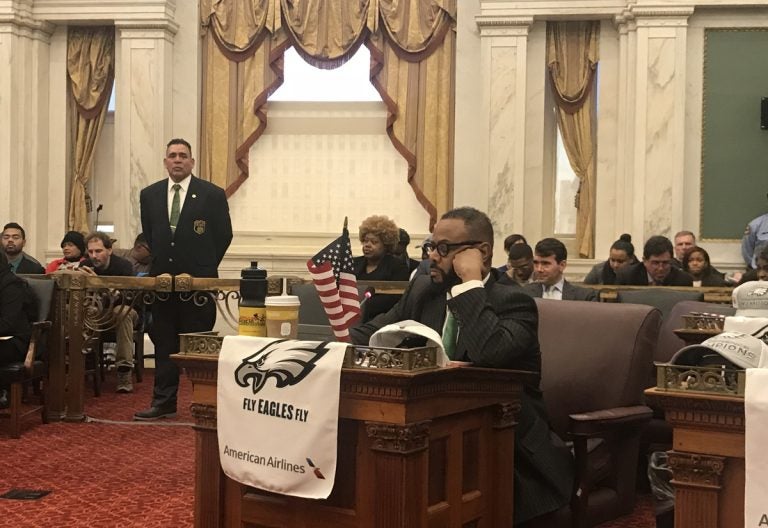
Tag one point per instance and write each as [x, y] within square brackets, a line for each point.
[412, 46]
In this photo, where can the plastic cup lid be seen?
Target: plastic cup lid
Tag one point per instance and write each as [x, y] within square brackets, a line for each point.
[282, 300]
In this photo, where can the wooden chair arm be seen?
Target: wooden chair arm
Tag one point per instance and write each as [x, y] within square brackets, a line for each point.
[38, 329]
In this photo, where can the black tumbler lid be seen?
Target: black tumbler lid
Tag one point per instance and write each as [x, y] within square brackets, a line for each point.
[253, 272]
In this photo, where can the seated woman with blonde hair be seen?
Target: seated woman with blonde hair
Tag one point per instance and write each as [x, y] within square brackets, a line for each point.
[379, 236]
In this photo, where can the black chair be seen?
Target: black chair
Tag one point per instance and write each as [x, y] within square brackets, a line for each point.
[33, 369]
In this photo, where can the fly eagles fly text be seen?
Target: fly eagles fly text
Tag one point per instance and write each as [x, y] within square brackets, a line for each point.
[276, 409]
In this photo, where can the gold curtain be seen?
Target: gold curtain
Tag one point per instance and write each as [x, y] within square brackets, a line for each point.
[326, 33]
[243, 45]
[572, 55]
[91, 73]
[413, 61]
[412, 45]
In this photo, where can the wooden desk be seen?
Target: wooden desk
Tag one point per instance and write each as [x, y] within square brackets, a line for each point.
[707, 457]
[426, 449]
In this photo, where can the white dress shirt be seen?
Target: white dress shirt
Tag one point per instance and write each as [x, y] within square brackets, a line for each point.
[553, 292]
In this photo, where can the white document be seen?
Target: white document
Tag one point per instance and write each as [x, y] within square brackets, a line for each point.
[277, 417]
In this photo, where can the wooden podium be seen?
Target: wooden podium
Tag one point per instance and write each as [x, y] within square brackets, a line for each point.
[431, 448]
[707, 457]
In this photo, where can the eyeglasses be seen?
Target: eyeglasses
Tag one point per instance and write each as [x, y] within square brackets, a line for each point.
[443, 248]
[659, 263]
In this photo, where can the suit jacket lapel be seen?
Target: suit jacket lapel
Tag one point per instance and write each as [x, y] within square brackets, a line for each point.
[433, 313]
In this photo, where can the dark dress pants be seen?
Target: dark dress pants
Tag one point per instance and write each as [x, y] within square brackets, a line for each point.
[169, 319]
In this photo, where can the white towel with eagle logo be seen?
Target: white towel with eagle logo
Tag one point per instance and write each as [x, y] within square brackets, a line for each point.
[278, 411]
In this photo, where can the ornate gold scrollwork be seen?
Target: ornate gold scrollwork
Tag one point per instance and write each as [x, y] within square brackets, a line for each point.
[402, 439]
[689, 469]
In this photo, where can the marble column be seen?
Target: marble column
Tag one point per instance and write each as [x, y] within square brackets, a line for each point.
[501, 165]
[24, 50]
[658, 132]
[143, 115]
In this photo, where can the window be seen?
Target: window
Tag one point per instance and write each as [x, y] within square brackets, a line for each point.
[349, 82]
[111, 103]
[566, 187]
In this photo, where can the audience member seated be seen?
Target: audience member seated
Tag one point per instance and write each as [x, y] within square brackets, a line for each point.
[621, 255]
[550, 258]
[656, 269]
[696, 264]
[755, 238]
[13, 242]
[379, 236]
[510, 241]
[761, 270]
[519, 265]
[423, 267]
[102, 262]
[684, 240]
[16, 310]
[401, 250]
[73, 248]
[139, 255]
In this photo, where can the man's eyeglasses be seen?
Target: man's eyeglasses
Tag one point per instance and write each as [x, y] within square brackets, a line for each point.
[443, 248]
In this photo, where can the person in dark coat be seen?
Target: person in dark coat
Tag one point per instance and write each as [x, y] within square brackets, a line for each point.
[550, 258]
[16, 305]
[13, 241]
[379, 236]
[696, 264]
[188, 229]
[496, 326]
[621, 254]
[656, 269]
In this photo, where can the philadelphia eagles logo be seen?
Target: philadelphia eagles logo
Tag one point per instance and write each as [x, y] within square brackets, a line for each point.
[288, 362]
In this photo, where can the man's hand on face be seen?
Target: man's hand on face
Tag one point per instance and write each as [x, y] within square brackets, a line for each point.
[468, 264]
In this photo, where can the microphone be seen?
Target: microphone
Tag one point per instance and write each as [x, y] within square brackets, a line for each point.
[367, 294]
[98, 210]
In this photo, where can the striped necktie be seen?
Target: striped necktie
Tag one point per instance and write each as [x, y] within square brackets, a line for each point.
[175, 207]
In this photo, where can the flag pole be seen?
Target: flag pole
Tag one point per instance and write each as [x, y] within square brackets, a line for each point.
[345, 223]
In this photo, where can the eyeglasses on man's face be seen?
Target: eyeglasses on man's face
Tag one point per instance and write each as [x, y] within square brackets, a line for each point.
[444, 248]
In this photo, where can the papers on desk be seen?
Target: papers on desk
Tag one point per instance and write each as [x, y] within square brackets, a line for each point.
[278, 409]
[756, 440]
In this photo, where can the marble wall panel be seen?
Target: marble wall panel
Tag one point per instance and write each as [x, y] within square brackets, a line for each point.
[504, 154]
[662, 144]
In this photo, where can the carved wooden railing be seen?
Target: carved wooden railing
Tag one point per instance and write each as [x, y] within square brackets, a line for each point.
[86, 305]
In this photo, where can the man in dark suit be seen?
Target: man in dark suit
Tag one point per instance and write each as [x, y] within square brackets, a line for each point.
[13, 241]
[550, 258]
[493, 325]
[656, 269]
[187, 227]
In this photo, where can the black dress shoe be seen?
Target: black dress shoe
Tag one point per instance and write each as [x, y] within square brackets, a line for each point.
[155, 413]
[4, 403]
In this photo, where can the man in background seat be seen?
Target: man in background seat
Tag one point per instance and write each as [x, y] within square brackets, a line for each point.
[656, 269]
[102, 262]
[14, 239]
[550, 258]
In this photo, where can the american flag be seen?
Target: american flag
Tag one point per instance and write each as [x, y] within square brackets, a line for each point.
[332, 272]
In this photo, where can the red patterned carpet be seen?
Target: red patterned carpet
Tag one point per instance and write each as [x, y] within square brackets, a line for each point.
[102, 474]
[122, 475]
